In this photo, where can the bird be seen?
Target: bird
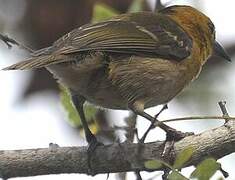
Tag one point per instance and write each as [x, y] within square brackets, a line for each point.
[132, 61]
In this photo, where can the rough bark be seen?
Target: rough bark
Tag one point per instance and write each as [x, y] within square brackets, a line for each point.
[123, 157]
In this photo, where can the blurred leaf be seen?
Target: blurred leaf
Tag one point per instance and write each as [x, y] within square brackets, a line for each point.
[175, 175]
[152, 164]
[206, 169]
[102, 12]
[93, 126]
[136, 6]
[74, 118]
[183, 157]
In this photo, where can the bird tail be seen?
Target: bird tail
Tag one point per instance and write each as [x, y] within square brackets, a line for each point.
[37, 62]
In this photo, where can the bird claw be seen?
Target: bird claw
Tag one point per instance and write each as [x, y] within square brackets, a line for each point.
[93, 144]
[173, 136]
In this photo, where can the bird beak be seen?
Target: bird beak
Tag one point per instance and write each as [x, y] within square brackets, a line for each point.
[220, 51]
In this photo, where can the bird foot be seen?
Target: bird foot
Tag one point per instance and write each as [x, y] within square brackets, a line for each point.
[93, 144]
[173, 136]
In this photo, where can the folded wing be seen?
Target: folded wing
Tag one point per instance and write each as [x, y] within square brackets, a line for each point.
[145, 34]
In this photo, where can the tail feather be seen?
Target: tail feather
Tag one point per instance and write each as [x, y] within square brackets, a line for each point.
[37, 62]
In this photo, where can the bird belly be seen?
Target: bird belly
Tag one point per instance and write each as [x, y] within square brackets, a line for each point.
[91, 82]
[124, 81]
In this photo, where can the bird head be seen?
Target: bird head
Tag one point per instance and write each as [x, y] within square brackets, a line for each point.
[199, 27]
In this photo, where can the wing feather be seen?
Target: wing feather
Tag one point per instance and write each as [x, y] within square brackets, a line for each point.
[164, 38]
[144, 34]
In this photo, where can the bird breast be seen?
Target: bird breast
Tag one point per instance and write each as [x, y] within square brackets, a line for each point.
[117, 83]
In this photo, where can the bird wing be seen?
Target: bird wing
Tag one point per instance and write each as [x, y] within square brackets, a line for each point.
[164, 38]
[144, 34]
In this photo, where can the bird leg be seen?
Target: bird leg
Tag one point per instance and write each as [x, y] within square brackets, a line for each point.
[93, 143]
[172, 134]
[152, 125]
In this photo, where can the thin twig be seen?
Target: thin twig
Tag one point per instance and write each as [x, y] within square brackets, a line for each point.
[225, 116]
[225, 173]
[138, 175]
[152, 124]
[223, 108]
[224, 111]
[9, 42]
[189, 118]
[222, 105]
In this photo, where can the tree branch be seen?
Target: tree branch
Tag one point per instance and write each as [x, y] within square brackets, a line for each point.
[113, 158]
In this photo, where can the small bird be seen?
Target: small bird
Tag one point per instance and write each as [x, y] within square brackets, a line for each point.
[132, 61]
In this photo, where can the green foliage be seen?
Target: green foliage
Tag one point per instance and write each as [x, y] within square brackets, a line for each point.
[206, 169]
[65, 98]
[175, 175]
[183, 157]
[102, 12]
[136, 6]
[153, 164]
[74, 118]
